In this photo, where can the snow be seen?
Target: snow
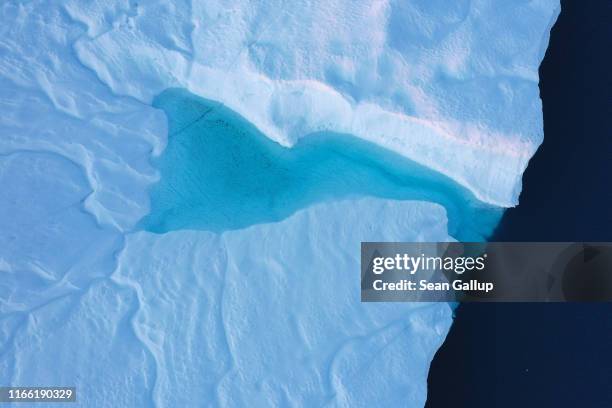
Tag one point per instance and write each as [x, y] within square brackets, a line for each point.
[267, 315]
[451, 87]
[271, 315]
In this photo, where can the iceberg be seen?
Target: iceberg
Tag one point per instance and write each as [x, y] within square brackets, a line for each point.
[265, 312]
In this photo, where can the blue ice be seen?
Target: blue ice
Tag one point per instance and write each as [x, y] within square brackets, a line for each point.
[220, 173]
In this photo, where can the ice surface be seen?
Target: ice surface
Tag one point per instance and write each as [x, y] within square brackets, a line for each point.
[270, 315]
[451, 87]
[267, 315]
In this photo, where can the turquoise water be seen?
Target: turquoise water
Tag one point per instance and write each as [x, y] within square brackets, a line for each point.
[220, 173]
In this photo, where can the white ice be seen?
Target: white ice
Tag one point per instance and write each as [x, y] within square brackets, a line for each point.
[269, 315]
[452, 86]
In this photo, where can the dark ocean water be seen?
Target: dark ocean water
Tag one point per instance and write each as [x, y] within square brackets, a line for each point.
[549, 355]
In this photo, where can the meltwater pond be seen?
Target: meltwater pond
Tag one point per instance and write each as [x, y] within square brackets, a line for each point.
[220, 173]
